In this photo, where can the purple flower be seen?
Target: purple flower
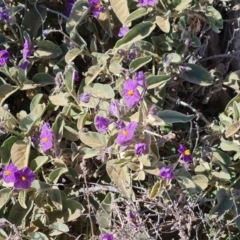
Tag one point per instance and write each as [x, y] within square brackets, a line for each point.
[27, 50]
[107, 236]
[95, 7]
[69, 5]
[76, 76]
[185, 153]
[24, 65]
[84, 97]
[4, 15]
[126, 134]
[146, 3]
[8, 173]
[114, 108]
[123, 31]
[46, 137]
[133, 219]
[130, 93]
[140, 148]
[132, 55]
[120, 124]
[140, 78]
[101, 124]
[4, 56]
[24, 178]
[166, 172]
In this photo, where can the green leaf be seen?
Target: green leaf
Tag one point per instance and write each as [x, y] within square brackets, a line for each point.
[98, 90]
[73, 176]
[92, 73]
[232, 129]
[58, 228]
[138, 32]
[228, 145]
[38, 162]
[72, 54]
[70, 133]
[201, 181]
[22, 198]
[38, 185]
[120, 8]
[56, 174]
[214, 18]
[6, 90]
[188, 183]
[139, 62]
[140, 12]
[104, 20]
[36, 100]
[197, 75]
[120, 176]
[71, 210]
[5, 194]
[18, 214]
[28, 122]
[104, 211]
[79, 11]
[5, 149]
[33, 20]
[169, 116]
[58, 127]
[221, 157]
[55, 196]
[60, 99]
[93, 139]
[43, 79]
[47, 49]
[20, 153]
[37, 236]
[163, 23]
[157, 81]
[155, 190]
[224, 203]
[76, 38]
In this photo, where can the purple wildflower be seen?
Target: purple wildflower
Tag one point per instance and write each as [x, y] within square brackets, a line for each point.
[123, 31]
[4, 56]
[185, 153]
[146, 3]
[27, 50]
[130, 93]
[140, 78]
[4, 15]
[132, 55]
[166, 172]
[133, 219]
[114, 108]
[96, 7]
[107, 236]
[24, 178]
[76, 76]
[24, 65]
[140, 148]
[101, 124]
[84, 97]
[120, 124]
[69, 5]
[8, 173]
[46, 137]
[126, 134]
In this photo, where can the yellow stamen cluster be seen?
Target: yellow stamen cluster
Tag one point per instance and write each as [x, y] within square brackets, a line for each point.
[187, 152]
